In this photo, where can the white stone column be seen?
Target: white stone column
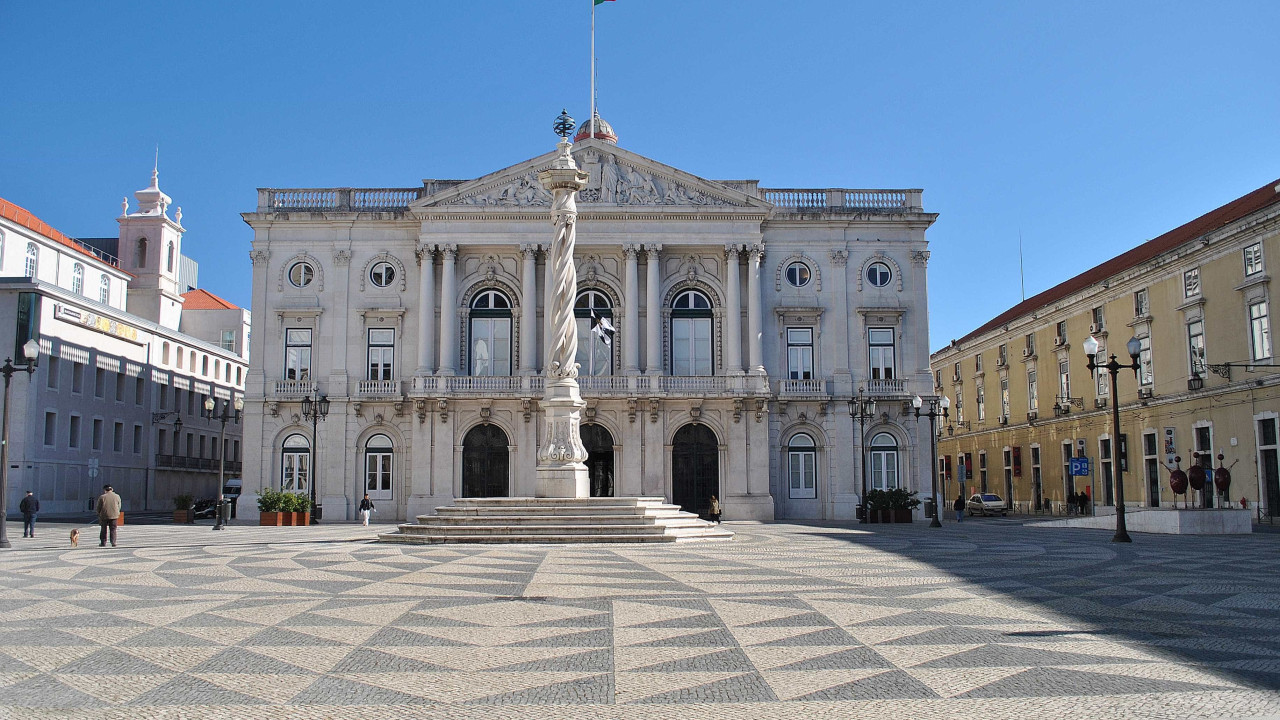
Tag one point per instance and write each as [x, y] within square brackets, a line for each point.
[448, 310]
[733, 312]
[561, 470]
[631, 312]
[528, 310]
[653, 312]
[426, 310]
[754, 326]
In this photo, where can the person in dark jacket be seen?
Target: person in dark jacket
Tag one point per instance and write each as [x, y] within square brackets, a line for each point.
[29, 506]
[958, 506]
[366, 507]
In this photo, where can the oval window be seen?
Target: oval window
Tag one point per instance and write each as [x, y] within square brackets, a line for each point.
[301, 273]
[382, 274]
[878, 274]
[798, 274]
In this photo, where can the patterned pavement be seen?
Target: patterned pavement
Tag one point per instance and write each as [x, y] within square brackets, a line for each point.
[985, 619]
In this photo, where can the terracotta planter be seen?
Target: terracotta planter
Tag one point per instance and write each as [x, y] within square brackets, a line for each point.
[272, 519]
[901, 516]
[302, 519]
[182, 516]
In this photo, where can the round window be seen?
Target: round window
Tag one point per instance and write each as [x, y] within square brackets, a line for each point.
[382, 274]
[798, 274]
[878, 274]
[301, 273]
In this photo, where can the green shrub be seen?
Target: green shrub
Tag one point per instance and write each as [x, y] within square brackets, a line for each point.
[270, 500]
[894, 499]
[183, 502]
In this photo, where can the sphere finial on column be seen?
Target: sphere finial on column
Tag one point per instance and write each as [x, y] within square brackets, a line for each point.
[563, 125]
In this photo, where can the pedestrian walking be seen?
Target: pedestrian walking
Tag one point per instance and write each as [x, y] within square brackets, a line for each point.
[958, 506]
[29, 506]
[108, 509]
[714, 511]
[366, 507]
[1084, 503]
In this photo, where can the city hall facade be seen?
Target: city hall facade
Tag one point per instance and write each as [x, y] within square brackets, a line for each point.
[725, 332]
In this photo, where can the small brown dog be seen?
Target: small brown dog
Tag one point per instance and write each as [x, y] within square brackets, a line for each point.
[75, 537]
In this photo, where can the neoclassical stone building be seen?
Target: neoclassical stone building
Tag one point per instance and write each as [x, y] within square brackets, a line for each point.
[725, 329]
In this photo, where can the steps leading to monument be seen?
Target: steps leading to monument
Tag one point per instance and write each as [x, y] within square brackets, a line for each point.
[557, 520]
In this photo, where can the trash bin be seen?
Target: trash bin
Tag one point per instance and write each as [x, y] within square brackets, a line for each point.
[930, 510]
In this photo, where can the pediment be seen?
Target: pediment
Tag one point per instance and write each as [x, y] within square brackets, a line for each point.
[618, 179]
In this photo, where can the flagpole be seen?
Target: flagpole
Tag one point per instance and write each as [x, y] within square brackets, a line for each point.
[592, 121]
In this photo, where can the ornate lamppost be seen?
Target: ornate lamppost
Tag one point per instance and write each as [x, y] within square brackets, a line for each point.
[937, 409]
[1091, 350]
[862, 409]
[209, 405]
[30, 351]
[315, 410]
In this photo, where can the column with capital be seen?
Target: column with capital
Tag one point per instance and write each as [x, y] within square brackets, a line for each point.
[528, 310]
[448, 310]
[754, 321]
[426, 309]
[561, 468]
[733, 312]
[653, 313]
[631, 312]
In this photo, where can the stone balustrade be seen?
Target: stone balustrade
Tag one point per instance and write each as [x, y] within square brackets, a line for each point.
[810, 386]
[336, 199]
[377, 388]
[295, 387]
[842, 199]
[893, 388]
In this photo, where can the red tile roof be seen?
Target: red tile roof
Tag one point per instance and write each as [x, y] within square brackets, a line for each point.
[1241, 207]
[205, 300]
[23, 217]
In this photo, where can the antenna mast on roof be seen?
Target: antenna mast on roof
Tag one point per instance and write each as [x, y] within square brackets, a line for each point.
[1021, 275]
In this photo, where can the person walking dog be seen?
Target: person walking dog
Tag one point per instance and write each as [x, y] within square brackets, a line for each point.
[29, 507]
[108, 508]
[366, 507]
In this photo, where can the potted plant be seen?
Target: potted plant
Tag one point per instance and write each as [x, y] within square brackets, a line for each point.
[301, 510]
[270, 507]
[183, 508]
[891, 506]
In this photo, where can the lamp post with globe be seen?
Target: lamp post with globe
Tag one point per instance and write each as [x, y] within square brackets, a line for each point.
[937, 409]
[224, 416]
[30, 351]
[1091, 350]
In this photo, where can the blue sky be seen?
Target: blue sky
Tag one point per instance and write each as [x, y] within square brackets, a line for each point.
[1087, 127]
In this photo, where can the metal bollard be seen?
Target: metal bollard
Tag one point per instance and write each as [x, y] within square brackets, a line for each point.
[221, 515]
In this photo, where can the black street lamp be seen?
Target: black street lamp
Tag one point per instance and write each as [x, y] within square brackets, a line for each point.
[315, 411]
[1135, 348]
[861, 410]
[209, 405]
[937, 409]
[31, 351]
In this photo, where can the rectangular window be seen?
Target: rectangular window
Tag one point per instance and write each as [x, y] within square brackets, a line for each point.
[99, 383]
[97, 434]
[1002, 355]
[297, 354]
[50, 428]
[73, 432]
[882, 353]
[228, 340]
[800, 354]
[138, 389]
[202, 438]
[382, 342]
[1259, 331]
[1068, 481]
[982, 471]
[137, 439]
[1098, 323]
[1146, 375]
[1105, 471]
[1037, 487]
[1033, 402]
[190, 444]
[1253, 259]
[117, 437]
[959, 405]
[1195, 347]
[1191, 283]
[1061, 330]
[1141, 303]
[1064, 380]
[51, 373]
[119, 386]
[77, 377]
[1101, 379]
[1031, 344]
[982, 404]
[1151, 465]
[191, 402]
[1004, 397]
[955, 372]
[977, 363]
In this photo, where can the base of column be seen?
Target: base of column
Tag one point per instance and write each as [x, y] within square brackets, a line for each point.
[561, 471]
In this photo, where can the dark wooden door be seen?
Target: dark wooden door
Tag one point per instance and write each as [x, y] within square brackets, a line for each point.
[695, 468]
[599, 444]
[485, 463]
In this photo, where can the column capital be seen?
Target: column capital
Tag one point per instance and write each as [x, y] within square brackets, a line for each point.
[448, 250]
[756, 249]
[630, 250]
[652, 249]
[425, 254]
[732, 250]
[530, 248]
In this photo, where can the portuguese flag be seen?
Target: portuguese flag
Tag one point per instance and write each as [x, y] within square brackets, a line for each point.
[603, 1]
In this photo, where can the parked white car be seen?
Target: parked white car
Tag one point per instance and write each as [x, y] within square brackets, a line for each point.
[987, 504]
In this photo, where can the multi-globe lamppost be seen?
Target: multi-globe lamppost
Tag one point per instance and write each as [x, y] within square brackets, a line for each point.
[862, 409]
[209, 405]
[31, 351]
[1135, 348]
[937, 409]
[315, 410]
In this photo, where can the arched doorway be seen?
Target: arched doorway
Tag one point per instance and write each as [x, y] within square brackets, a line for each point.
[599, 444]
[695, 468]
[485, 462]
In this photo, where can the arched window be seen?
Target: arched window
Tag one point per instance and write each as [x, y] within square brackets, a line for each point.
[140, 253]
[595, 333]
[295, 464]
[104, 290]
[691, 334]
[168, 254]
[377, 467]
[490, 334]
[164, 353]
[802, 466]
[33, 260]
[180, 357]
[204, 364]
[884, 462]
[77, 279]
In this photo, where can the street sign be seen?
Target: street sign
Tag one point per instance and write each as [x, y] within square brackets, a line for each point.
[1080, 466]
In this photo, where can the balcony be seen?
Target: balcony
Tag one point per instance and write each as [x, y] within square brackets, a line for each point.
[182, 462]
[806, 387]
[295, 388]
[890, 388]
[842, 200]
[599, 385]
[378, 388]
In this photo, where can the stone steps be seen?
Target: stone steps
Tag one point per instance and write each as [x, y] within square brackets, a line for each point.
[557, 520]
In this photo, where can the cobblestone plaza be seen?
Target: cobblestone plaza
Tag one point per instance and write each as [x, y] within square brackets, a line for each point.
[982, 619]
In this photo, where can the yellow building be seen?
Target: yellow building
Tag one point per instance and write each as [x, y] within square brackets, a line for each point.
[1198, 300]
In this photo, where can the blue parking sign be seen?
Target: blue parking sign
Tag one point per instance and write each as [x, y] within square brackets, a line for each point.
[1079, 466]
